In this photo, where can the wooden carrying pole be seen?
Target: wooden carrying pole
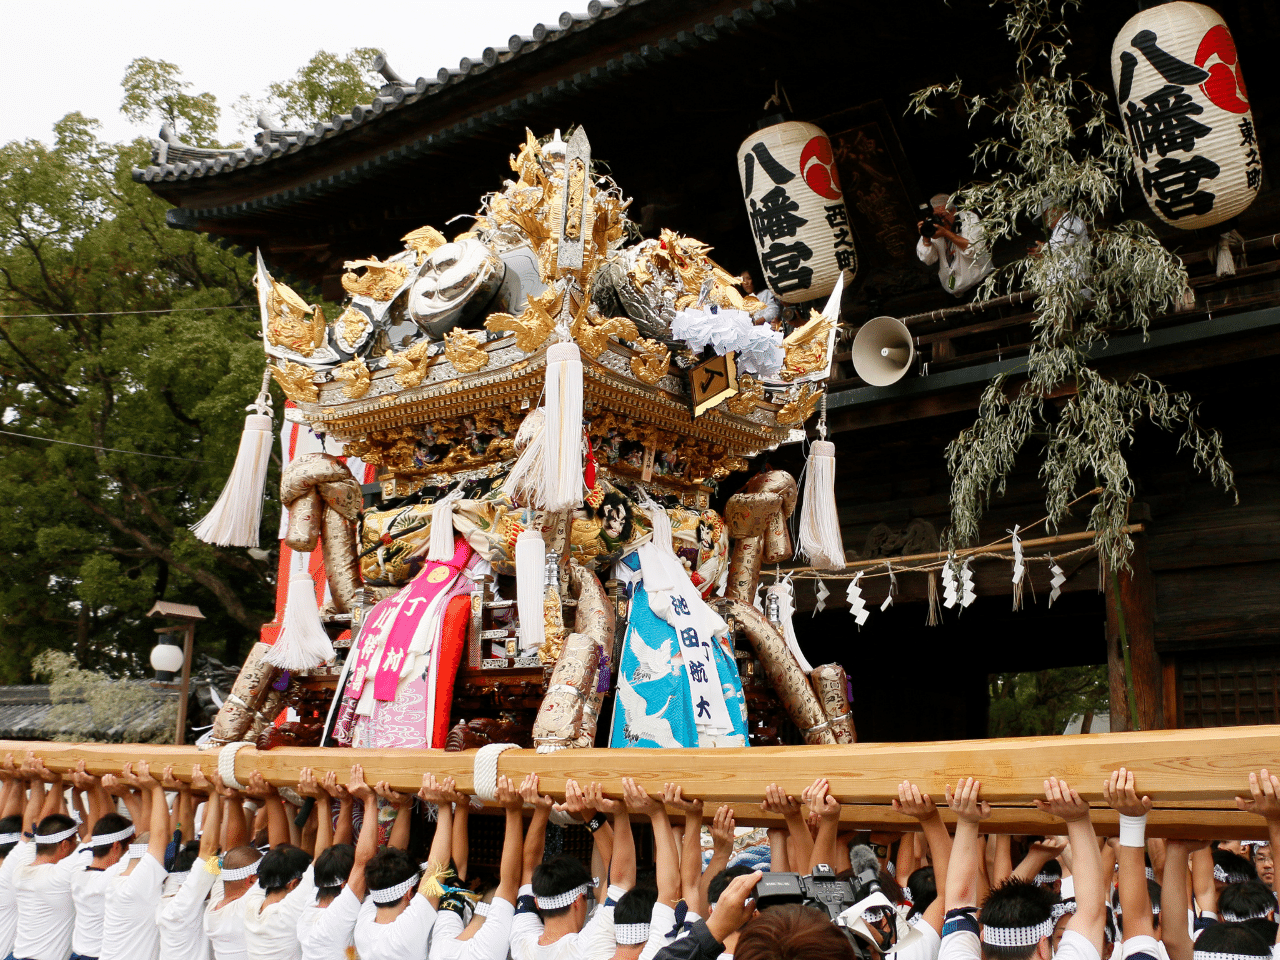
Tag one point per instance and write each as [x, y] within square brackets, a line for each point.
[1193, 776]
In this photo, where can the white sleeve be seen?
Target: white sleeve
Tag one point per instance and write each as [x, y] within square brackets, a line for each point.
[596, 940]
[526, 928]
[446, 929]
[490, 941]
[339, 918]
[926, 251]
[661, 920]
[1076, 946]
[925, 946]
[184, 906]
[962, 945]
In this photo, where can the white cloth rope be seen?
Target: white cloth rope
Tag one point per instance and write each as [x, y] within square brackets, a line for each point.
[629, 934]
[57, 837]
[392, 894]
[561, 900]
[484, 769]
[1017, 936]
[240, 873]
[100, 840]
[227, 763]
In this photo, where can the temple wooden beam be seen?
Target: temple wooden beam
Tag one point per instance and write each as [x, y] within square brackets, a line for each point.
[1192, 776]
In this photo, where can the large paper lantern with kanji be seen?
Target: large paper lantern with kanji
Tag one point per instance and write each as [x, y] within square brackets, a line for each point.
[1186, 113]
[796, 210]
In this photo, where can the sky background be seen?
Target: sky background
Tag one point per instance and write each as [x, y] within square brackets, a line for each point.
[71, 55]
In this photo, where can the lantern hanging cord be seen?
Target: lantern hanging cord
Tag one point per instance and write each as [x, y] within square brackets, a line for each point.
[779, 97]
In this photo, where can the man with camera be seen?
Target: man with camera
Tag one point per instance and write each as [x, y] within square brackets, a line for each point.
[953, 240]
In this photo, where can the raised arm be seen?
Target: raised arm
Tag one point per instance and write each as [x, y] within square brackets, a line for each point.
[1264, 800]
[665, 854]
[962, 879]
[827, 808]
[622, 868]
[1206, 891]
[722, 834]
[35, 801]
[444, 795]
[535, 839]
[921, 806]
[1091, 890]
[575, 805]
[344, 833]
[158, 826]
[776, 800]
[1173, 898]
[403, 804]
[1135, 902]
[212, 814]
[509, 868]
[691, 846]
[321, 811]
[367, 845]
[1038, 854]
[461, 841]
[236, 828]
[999, 859]
[277, 819]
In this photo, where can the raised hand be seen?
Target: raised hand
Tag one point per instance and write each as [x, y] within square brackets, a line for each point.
[394, 797]
[1061, 801]
[530, 795]
[333, 788]
[1264, 796]
[1049, 847]
[356, 785]
[776, 800]
[735, 906]
[575, 801]
[114, 787]
[506, 796]
[722, 828]
[637, 801]
[597, 799]
[224, 791]
[967, 801]
[914, 803]
[80, 778]
[9, 769]
[821, 803]
[673, 796]
[308, 786]
[199, 782]
[169, 781]
[141, 775]
[258, 787]
[1119, 792]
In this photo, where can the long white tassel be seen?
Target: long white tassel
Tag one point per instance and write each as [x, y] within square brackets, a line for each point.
[820, 541]
[441, 546]
[1224, 262]
[235, 518]
[525, 480]
[302, 643]
[531, 558]
[562, 438]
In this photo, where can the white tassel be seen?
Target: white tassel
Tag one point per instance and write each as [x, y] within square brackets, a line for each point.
[441, 546]
[531, 558]
[524, 481]
[785, 595]
[562, 437]
[661, 524]
[235, 518]
[302, 643]
[820, 541]
[1224, 262]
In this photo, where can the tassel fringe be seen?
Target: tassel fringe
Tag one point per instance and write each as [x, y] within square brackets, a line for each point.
[820, 541]
[531, 556]
[562, 459]
[441, 546]
[935, 607]
[303, 643]
[235, 518]
[525, 481]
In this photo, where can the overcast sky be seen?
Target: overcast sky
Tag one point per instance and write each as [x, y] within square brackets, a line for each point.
[71, 55]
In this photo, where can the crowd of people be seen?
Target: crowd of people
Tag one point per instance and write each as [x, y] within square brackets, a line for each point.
[114, 868]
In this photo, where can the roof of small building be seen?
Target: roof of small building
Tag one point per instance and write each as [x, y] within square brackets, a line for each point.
[28, 712]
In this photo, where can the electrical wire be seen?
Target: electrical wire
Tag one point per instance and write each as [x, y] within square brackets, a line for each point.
[126, 313]
[89, 446]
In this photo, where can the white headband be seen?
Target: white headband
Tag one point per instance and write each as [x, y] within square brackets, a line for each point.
[1017, 936]
[1207, 955]
[136, 850]
[240, 873]
[561, 900]
[392, 894]
[481, 908]
[178, 879]
[629, 934]
[1151, 874]
[57, 837]
[1062, 908]
[1230, 917]
[98, 840]
[1045, 878]
[8, 838]
[75, 815]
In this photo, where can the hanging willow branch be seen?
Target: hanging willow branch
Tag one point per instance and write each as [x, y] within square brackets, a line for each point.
[1055, 144]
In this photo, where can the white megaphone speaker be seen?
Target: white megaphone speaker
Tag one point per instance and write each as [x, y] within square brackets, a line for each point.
[883, 351]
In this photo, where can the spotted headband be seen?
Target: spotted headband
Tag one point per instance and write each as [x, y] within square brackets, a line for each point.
[392, 894]
[1230, 917]
[481, 909]
[102, 839]
[1017, 936]
[1207, 955]
[561, 900]
[8, 838]
[1062, 908]
[240, 873]
[57, 837]
[629, 934]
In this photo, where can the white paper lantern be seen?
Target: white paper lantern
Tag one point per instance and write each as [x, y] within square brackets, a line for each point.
[796, 210]
[1185, 110]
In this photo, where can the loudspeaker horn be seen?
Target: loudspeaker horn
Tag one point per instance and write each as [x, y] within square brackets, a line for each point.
[883, 351]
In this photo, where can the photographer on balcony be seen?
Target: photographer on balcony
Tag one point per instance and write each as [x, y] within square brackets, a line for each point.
[953, 240]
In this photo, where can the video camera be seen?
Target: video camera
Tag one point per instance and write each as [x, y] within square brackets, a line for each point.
[824, 891]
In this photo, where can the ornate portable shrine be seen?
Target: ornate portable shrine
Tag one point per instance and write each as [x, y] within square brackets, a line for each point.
[547, 404]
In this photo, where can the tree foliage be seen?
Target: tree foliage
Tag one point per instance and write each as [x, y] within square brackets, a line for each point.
[1043, 703]
[154, 92]
[89, 705]
[1055, 143]
[93, 529]
[326, 85]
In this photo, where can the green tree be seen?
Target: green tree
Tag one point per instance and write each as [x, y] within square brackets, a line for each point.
[154, 92]
[326, 85]
[147, 409]
[1043, 703]
[89, 705]
[1055, 143]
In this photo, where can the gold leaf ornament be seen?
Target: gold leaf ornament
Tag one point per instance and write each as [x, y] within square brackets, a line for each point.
[800, 409]
[465, 352]
[424, 241]
[292, 323]
[355, 377]
[296, 381]
[533, 326]
[805, 348]
[380, 280]
[410, 365]
[651, 361]
[352, 326]
[750, 393]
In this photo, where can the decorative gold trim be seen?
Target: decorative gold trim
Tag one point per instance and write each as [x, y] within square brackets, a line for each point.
[800, 409]
[465, 352]
[651, 361]
[352, 325]
[291, 322]
[380, 280]
[296, 381]
[355, 376]
[806, 347]
[750, 393]
[534, 325]
[411, 365]
[424, 241]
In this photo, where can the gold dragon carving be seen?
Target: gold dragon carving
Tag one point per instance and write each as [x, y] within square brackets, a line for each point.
[806, 348]
[465, 352]
[410, 365]
[534, 325]
[424, 241]
[750, 392]
[292, 322]
[296, 381]
[800, 409]
[352, 325]
[380, 280]
[650, 362]
[355, 377]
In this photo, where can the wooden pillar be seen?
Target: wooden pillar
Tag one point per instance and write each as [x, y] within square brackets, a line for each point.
[1135, 599]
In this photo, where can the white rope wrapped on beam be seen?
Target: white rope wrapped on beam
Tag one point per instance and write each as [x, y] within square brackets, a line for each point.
[227, 763]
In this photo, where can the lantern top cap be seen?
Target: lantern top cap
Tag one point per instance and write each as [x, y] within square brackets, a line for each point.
[175, 611]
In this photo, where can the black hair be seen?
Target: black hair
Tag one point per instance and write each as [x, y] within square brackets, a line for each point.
[333, 867]
[53, 823]
[186, 857]
[1052, 869]
[1237, 867]
[924, 889]
[636, 905]
[1015, 903]
[615, 499]
[1234, 938]
[1248, 899]
[722, 879]
[9, 825]
[558, 875]
[390, 866]
[107, 824]
[283, 865]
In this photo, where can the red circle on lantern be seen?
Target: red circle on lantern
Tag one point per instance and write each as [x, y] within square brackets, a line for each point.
[820, 174]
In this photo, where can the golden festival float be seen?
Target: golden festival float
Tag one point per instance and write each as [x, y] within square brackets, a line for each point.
[547, 404]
